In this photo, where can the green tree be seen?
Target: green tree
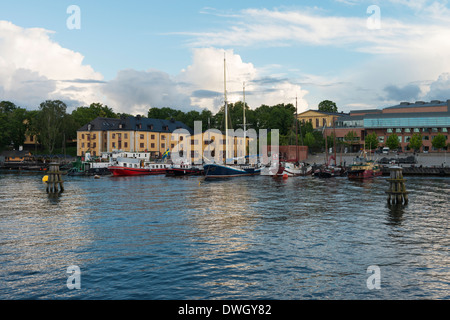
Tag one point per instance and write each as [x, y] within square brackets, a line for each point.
[328, 106]
[17, 126]
[51, 120]
[439, 141]
[416, 142]
[392, 142]
[351, 137]
[84, 115]
[371, 141]
[309, 140]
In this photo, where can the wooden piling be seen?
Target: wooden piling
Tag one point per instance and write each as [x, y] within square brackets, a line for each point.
[54, 179]
[397, 193]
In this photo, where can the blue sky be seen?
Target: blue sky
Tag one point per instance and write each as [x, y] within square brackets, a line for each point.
[133, 55]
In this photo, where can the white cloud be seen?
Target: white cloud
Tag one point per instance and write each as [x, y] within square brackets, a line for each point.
[135, 92]
[206, 74]
[36, 68]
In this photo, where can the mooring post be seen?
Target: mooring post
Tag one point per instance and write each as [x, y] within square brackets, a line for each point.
[54, 178]
[397, 193]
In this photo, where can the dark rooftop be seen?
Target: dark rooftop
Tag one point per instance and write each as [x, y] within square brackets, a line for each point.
[134, 124]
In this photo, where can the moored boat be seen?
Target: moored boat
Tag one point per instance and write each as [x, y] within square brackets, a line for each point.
[363, 168]
[214, 171]
[295, 170]
[137, 167]
[184, 170]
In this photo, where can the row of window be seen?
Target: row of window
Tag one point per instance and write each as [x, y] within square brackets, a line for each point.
[417, 130]
[408, 138]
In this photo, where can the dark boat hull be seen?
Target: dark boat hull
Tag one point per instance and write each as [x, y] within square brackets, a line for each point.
[178, 172]
[216, 171]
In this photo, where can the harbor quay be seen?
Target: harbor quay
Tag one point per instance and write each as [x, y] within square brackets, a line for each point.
[429, 160]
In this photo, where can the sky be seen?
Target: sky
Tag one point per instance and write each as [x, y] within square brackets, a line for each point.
[134, 55]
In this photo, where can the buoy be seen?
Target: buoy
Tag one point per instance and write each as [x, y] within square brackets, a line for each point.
[44, 179]
[285, 176]
[96, 177]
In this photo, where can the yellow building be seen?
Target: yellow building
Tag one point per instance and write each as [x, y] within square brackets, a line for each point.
[135, 134]
[132, 134]
[319, 119]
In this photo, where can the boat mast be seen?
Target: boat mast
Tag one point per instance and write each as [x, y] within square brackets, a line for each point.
[226, 105]
[296, 131]
[245, 129]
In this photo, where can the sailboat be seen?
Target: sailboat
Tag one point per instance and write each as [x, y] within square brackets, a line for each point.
[295, 169]
[214, 170]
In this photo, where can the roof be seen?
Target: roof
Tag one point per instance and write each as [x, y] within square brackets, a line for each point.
[324, 112]
[134, 124]
[421, 104]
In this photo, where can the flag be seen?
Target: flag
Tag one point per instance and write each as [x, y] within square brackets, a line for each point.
[166, 154]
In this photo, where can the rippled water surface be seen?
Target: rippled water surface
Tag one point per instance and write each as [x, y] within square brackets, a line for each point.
[244, 238]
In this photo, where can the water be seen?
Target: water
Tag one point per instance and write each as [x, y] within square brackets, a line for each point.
[245, 238]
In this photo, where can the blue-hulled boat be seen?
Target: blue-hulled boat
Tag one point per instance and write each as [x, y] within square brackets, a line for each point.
[214, 171]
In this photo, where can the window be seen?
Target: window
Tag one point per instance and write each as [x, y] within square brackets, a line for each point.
[426, 138]
[398, 130]
[163, 137]
[142, 136]
[417, 130]
[324, 122]
[152, 137]
[125, 135]
[114, 145]
[82, 145]
[381, 139]
[82, 136]
[407, 130]
[172, 146]
[163, 145]
[125, 144]
[94, 136]
[407, 138]
[113, 135]
[94, 145]
[444, 130]
[389, 130]
[152, 146]
[317, 123]
[89, 145]
[434, 130]
[400, 139]
[141, 145]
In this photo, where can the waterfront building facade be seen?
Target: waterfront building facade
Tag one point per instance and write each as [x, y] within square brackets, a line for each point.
[319, 119]
[405, 119]
[156, 136]
[131, 134]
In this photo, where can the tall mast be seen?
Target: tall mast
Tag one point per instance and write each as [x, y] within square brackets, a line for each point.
[296, 130]
[226, 105]
[245, 127]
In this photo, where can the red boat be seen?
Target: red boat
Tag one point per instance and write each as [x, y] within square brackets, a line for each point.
[126, 171]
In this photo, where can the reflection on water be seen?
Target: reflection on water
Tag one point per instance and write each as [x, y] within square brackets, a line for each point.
[243, 238]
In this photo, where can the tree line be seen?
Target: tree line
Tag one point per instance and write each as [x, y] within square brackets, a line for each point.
[54, 127]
